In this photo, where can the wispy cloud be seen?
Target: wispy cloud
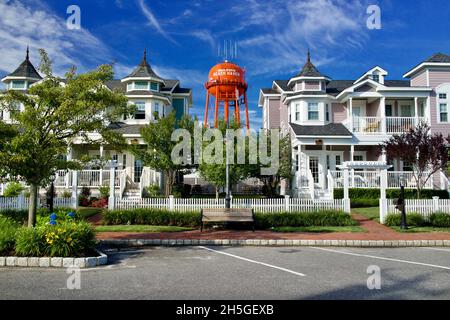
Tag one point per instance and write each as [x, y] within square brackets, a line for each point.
[153, 21]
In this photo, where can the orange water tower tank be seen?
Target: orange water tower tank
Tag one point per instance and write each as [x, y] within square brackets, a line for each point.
[226, 85]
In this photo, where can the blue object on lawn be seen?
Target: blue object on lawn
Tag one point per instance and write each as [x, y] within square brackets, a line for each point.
[53, 217]
[71, 215]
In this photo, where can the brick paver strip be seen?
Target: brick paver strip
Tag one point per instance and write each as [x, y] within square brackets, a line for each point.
[375, 231]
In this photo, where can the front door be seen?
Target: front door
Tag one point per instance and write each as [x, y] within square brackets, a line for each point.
[314, 167]
[138, 167]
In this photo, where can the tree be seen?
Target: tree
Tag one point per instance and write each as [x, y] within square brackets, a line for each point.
[215, 173]
[271, 182]
[427, 153]
[55, 113]
[157, 154]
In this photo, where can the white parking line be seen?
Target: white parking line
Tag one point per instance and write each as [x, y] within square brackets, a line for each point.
[256, 262]
[384, 258]
[437, 249]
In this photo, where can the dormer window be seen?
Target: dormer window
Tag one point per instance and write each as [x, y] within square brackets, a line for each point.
[18, 84]
[376, 77]
[141, 85]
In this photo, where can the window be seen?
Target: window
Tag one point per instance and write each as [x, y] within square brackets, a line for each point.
[18, 84]
[156, 112]
[140, 111]
[297, 112]
[327, 113]
[443, 112]
[388, 110]
[124, 161]
[141, 85]
[154, 86]
[338, 162]
[115, 159]
[358, 158]
[290, 115]
[313, 111]
[296, 163]
[376, 77]
[129, 86]
[442, 96]
[407, 166]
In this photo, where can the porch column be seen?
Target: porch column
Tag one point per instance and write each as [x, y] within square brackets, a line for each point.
[346, 191]
[383, 201]
[112, 187]
[383, 114]
[352, 157]
[101, 169]
[350, 110]
[416, 110]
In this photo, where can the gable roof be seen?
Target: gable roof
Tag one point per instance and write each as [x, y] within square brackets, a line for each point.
[332, 129]
[144, 70]
[26, 69]
[437, 58]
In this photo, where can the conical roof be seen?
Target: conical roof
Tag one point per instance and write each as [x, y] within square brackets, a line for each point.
[26, 69]
[144, 70]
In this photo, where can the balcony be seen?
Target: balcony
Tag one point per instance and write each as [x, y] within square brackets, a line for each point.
[384, 125]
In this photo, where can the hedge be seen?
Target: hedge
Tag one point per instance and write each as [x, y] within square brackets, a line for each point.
[355, 193]
[193, 219]
[438, 219]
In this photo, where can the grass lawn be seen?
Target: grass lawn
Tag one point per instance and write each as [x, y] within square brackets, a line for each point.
[141, 228]
[319, 229]
[421, 229]
[86, 213]
[372, 213]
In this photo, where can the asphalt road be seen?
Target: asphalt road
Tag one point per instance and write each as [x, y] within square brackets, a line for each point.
[244, 273]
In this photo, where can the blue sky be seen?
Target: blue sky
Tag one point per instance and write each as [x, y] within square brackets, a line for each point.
[182, 37]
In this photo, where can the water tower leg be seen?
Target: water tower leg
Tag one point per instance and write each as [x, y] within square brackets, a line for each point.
[238, 114]
[227, 105]
[216, 116]
[206, 110]
[246, 111]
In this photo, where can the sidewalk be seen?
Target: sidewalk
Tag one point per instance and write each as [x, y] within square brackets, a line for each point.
[375, 232]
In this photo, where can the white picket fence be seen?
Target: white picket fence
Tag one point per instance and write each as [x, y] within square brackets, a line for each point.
[259, 205]
[19, 203]
[425, 207]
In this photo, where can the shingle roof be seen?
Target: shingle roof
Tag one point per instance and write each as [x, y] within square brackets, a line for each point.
[335, 87]
[144, 70]
[309, 70]
[116, 85]
[332, 129]
[439, 58]
[123, 128]
[397, 83]
[283, 84]
[26, 69]
[269, 91]
[181, 90]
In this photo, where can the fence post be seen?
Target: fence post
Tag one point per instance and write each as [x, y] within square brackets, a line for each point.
[112, 191]
[435, 204]
[171, 203]
[287, 203]
[346, 191]
[383, 210]
[75, 189]
[231, 201]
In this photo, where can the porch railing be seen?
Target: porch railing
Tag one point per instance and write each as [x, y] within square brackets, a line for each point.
[371, 179]
[88, 178]
[384, 125]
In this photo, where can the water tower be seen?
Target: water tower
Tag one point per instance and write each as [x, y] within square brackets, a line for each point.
[228, 89]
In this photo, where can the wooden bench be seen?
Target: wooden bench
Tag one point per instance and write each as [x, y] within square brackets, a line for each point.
[228, 215]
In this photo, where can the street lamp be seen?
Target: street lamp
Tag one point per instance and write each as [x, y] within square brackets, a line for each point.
[402, 203]
[52, 191]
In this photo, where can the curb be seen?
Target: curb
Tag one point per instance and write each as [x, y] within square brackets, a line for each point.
[54, 262]
[277, 243]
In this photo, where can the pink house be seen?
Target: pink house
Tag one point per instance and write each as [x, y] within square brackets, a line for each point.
[332, 121]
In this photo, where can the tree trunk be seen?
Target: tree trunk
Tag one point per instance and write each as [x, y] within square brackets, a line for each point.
[169, 183]
[217, 193]
[33, 205]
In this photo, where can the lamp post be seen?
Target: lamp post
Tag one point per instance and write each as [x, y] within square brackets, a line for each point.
[403, 224]
[52, 191]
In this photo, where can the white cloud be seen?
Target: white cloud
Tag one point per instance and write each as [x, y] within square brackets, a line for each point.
[38, 27]
[153, 21]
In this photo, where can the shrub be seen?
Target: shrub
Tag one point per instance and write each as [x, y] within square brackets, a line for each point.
[196, 189]
[390, 193]
[104, 192]
[156, 217]
[412, 219]
[364, 203]
[19, 216]
[303, 219]
[153, 191]
[440, 219]
[101, 203]
[66, 194]
[66, 239]
[8, 229]
[13, 189]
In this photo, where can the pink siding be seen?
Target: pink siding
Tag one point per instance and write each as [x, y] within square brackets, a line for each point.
[339, 112]
[284, 117]
[373, 109]
[274, 113]
[419, 80]
[437, 78]
[312, 85]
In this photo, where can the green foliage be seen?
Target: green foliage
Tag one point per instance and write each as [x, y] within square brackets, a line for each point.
[302, 219]
[19, 216]
[104, 192]
[66, 194]
[155, 217]
[13, 189]
[355, 193]
[153, 191]
[8, 229]
[440, 219]
[66, 239]
[364, 203]
[412, 219]
[52, 117]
